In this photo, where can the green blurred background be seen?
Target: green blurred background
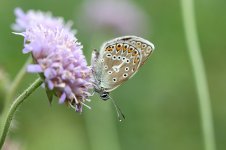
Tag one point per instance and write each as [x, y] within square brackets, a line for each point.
[160, 102]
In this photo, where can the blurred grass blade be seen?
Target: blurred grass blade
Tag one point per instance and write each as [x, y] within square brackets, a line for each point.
[16, 82]
[199, 73]
[101, 127]
[13, 87]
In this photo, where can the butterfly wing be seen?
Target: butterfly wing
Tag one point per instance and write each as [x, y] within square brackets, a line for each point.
[118, 60]
[141, 44]
[96, 67]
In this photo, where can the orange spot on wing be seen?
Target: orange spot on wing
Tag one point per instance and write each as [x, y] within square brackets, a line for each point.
[118, 47]
[136, 60]
[125, 48]
[130, 49]
[109, 48]
[135, 53]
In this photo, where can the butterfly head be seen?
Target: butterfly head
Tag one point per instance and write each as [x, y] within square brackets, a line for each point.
[104, 95]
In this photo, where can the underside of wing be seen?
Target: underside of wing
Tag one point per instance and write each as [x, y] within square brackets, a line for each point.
[119, 59]
[141, 44]
[120, 62]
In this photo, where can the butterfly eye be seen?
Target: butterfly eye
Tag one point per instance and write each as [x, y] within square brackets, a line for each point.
[105, 67]
[119, 57]
[127, 61]
[105, 96]
[109, 72]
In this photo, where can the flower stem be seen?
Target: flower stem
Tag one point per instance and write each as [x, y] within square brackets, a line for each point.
[19, 100]
[188, 15]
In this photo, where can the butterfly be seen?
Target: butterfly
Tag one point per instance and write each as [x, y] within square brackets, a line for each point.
[117, 61]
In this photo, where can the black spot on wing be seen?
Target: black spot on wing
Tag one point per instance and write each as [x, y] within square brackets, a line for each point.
[126, 38]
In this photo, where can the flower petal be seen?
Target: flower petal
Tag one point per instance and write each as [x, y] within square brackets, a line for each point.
[35, 68]
[62, 98]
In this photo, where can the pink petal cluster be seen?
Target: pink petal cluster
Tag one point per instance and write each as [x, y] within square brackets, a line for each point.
[32, 18]
[59, 59]
[122, 16]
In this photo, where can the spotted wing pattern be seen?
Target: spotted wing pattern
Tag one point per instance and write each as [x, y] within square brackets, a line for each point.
[119, 59]
[143, 45]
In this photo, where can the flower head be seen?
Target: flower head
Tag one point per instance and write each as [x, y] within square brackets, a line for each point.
[32, 18]
[122, 16]
[59, 59]
[11, 144]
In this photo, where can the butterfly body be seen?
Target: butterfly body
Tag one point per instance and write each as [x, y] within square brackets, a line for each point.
[117, 61]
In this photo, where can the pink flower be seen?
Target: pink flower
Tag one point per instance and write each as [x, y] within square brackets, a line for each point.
[58, 58]
[122, 16]
[32, 18]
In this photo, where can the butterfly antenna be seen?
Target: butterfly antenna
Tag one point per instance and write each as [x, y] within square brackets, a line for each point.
[121, 116]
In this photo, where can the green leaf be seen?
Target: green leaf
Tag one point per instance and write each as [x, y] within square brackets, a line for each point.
[49, 94]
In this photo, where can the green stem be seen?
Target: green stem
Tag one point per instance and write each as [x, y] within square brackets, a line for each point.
[19, 100]
[188, 15]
